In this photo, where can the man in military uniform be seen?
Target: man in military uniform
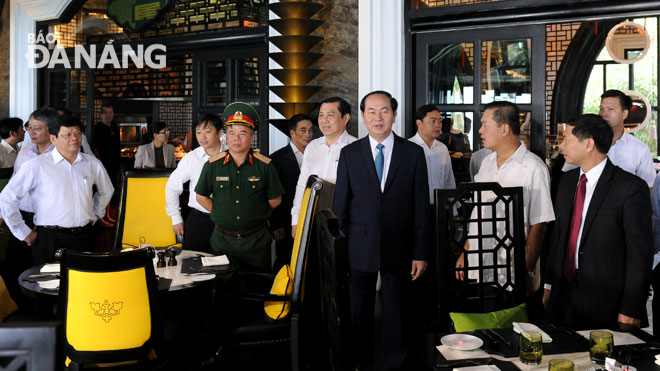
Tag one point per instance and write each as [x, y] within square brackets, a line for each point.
[245, 189]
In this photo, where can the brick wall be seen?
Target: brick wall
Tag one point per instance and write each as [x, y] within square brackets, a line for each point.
[557, 39]
[340, 54]
[4, 63]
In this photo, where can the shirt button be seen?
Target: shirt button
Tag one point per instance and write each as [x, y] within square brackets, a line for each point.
[237, 187]
[238, 217]
[238, 171]
[254, 186]
[236, 201]
[221, 186]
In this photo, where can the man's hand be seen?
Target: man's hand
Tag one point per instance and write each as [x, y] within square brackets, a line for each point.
[278, 234]
[628, 323]
[546, 298]
[178, 229]
[460, 263]
[31, 238]
[2, 224]
[293, 231]
[418, 268]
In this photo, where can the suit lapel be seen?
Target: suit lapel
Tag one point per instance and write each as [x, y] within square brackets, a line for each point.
[602, 187]
[395, 161]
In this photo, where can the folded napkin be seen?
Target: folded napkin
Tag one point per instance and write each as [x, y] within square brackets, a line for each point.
[454, 354]
[519, 327]
[214, 260]
[620, 338]
[50, 268]
[478, 368]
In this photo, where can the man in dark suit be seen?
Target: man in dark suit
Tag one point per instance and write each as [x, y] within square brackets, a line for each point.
[381, 201]
[599, 266]
[287, 161]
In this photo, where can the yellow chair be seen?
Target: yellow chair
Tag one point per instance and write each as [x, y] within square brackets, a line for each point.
[142, 218]
[108, 303]
[280, 317]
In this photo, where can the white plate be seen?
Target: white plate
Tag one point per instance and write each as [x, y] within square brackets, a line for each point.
[50, 284]
[201, 277]
[462, 341]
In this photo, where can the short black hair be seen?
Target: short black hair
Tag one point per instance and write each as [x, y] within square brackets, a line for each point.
[8, 125]
[107, 105]
[393, 103]
[505, 113]
[210, 118]
[157, 126]
[344, 106]
[594, 127]
[295, 119]
[47, 115]
[624, 100]
[425, 110]
[64, 110]
[63, 120]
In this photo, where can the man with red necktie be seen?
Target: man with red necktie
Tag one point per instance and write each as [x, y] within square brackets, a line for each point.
[599, 265]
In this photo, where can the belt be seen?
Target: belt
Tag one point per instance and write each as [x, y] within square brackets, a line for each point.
[74, 230]
[193, 210]
[242, 234]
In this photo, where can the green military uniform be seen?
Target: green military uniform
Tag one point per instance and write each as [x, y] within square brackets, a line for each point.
[240, 204]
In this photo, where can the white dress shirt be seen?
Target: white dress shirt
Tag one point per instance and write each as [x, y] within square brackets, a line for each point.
[632, 155]
[523, 169]
[438, 163]
[61, 192]
[319, 160]
[7, 154]
[28, 152]
[296, 152]
[388, 143]
[189, 169]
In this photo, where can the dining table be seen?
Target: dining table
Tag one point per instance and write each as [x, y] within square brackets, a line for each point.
[499, 348]
[43, 280]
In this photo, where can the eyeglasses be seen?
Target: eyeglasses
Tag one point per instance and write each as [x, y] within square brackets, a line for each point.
[166, 132]
[67, 136]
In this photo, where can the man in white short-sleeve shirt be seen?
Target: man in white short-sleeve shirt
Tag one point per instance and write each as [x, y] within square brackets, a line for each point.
[438, 162]
[627, 152]
[512, 165]
[322, 154]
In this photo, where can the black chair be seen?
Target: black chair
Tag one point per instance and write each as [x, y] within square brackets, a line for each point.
[108, 303]
[28, 346]
[272, 322]
[333, 279]
[455, 210]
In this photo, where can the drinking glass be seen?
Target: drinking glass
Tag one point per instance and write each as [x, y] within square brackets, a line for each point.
[601, 346]
[531, 347]
[561, 365]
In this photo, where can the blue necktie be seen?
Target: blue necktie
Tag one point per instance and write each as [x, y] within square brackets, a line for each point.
[380, 161]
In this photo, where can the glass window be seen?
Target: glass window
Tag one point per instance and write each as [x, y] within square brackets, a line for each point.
[451, 74]
[216, 83]
[506, 71]
[57, 88]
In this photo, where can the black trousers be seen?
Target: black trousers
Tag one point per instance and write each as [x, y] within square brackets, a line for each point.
[18, 259]
[655, 283]
[394, 334]
[197, 231]
[50, 240]
[573, 311]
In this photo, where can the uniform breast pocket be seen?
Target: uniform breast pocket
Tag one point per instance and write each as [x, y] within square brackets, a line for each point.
[255, 183]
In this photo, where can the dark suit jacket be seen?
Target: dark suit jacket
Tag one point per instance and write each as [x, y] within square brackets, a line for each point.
[287, 168]
[385, 230]
[615, 252]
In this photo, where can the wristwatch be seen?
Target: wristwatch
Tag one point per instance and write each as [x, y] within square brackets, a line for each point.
[531, 274]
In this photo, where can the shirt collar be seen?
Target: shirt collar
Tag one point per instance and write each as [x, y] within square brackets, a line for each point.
[57, 156]
[624, 138]
[419, 140]
[34, 148]
[519, 154]
[249, 158]
[594, 173]
[8, 146]
[294, 148]
[343, 138]
[388, 142]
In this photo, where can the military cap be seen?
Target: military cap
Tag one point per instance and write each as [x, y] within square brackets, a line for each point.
[239, 113]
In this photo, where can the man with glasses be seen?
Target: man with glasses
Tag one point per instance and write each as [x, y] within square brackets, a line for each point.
[60, 185]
